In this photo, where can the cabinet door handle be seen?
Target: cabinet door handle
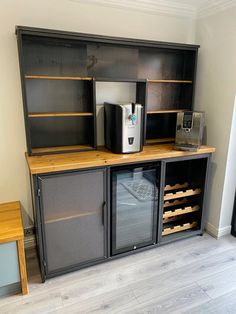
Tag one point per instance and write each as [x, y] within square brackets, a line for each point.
[103, 212]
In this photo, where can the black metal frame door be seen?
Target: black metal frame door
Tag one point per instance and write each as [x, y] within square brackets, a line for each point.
[134, 206]
[84, 230]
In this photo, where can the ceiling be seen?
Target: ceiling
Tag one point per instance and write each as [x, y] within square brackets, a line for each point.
[187, 8]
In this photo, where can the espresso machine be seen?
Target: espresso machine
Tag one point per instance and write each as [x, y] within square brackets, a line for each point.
[189, 130]
[123, 127]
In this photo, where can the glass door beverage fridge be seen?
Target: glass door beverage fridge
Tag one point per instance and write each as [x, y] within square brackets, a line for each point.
[134, 206]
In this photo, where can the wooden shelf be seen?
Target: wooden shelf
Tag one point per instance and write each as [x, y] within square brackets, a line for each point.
[61, 148]
[69, 217]
[176, 186]
[71, 78]
[171, 219]
[170, 81]
[179, 228]
[103, 157]
[166, 111]
[160, 140]
[181, 194]
[181, 211]
[175, 202]
[59, 114]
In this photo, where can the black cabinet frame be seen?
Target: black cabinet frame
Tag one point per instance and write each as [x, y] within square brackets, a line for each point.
[40, 228]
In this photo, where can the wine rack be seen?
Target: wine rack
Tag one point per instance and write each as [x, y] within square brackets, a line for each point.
[181, 208]
[179, 228]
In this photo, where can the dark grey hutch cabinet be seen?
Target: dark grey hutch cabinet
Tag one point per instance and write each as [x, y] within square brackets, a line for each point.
[91, 205]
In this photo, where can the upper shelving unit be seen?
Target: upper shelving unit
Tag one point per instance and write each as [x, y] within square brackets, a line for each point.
[59, 72]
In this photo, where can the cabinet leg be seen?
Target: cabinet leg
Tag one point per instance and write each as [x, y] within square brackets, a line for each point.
[22, 266]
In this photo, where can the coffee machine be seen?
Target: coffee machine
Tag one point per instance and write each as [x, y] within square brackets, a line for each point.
[189, 130]
[123, 127]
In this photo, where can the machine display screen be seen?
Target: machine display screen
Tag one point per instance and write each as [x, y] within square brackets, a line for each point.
[187, 120]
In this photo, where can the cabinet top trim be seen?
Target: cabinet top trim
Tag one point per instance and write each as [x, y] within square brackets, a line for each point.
[102, 39]
[103, 157]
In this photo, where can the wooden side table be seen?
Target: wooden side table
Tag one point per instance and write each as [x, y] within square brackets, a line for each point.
[11, 229]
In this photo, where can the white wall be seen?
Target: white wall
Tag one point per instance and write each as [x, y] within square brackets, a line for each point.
[215, 94]
[62, 15]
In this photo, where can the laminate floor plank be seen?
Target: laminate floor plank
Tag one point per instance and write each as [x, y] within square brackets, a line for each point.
[148, 284]
[161, 280]
[174, 302]
[181, 277]
[225, 304]
[219, 284]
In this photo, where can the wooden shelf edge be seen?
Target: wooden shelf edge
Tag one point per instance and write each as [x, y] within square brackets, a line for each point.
[181, 211]
[160, 140]
[175, 202]
[166, 111]
[61, 148]
[170, 81]
[181, 194]
[48, 77]
[60, 114]
[179, 228]
[176, 186]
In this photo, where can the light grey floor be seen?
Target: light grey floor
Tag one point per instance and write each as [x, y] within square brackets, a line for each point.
[197, 275]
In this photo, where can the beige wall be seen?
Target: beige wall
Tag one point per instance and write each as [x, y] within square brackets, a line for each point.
[215, 94]
[64, 15]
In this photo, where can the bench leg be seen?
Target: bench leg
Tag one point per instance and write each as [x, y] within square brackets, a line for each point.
[22, 266]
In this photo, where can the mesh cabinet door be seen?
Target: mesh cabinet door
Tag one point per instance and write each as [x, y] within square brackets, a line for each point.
[73, 219]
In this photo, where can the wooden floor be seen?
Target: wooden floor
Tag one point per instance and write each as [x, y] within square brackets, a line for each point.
[197, 275]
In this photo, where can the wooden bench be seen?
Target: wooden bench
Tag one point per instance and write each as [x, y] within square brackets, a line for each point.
[11, 229]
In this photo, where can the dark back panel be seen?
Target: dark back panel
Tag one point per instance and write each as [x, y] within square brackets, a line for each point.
[112, 61]
[192, 171]
[59, 96]
[165, 96]
[60, 131]
[161, 126]
[53, 56]
[161, 64]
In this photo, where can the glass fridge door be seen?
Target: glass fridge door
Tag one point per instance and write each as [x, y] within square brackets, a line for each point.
[135, 193]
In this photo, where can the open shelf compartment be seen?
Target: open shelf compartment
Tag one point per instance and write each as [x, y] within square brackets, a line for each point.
[183, 197]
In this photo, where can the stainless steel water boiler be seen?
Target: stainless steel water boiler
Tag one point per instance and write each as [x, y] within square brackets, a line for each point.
[123, 127]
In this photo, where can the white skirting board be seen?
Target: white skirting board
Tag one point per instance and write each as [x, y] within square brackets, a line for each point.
[217, 232]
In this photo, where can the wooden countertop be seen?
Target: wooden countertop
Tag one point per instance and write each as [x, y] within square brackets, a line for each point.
[11, 228]
[103, 157]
